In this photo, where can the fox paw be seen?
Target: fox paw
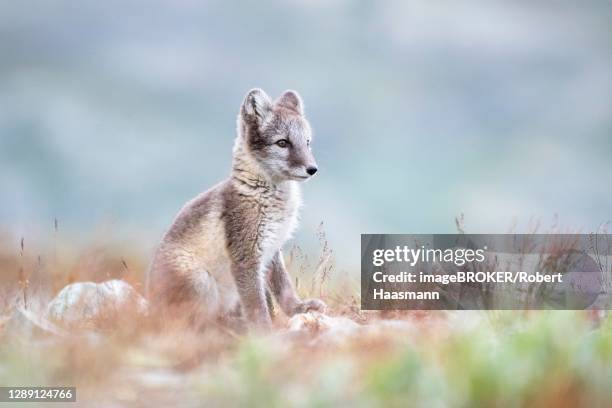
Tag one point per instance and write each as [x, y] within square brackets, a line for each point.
[310, 305]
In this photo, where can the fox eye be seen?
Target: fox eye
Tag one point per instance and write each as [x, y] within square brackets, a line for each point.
[283, 143]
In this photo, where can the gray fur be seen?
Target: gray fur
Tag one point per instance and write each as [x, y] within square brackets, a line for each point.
[223, 250]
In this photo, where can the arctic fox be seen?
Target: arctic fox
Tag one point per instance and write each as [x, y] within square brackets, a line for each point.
[223, 252]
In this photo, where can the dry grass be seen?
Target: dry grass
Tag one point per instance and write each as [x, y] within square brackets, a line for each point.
[398, 359]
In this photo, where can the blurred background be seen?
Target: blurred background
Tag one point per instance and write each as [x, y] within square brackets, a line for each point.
[112, 115]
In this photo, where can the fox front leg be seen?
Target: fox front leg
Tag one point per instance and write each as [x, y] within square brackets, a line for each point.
[252, 292]
[283, 290]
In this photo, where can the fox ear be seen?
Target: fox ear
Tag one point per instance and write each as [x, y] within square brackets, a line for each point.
[291, 100]
[256, 106]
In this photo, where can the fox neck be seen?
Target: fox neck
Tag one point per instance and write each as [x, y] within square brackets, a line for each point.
[281, 198]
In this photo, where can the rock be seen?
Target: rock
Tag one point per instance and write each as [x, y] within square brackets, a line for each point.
[319, 322]
[24, 323]
[88, 303]
[322, 328]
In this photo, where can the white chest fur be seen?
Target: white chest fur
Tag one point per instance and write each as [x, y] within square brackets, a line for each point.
[279, 220]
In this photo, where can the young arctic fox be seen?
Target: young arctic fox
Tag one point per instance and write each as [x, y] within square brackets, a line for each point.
[223, 252]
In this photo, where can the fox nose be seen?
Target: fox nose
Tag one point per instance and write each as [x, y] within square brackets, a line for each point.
[311, 170]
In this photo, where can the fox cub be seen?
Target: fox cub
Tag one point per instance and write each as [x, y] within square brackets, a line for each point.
[222, 257]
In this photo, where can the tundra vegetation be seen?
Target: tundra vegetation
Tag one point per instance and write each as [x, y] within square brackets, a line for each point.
[122, 357]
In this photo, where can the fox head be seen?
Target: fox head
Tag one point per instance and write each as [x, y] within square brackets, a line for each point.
[276, 136]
